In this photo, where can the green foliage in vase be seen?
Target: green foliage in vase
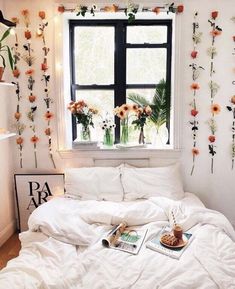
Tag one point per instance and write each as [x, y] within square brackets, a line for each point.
[159, 105]
[4, 49]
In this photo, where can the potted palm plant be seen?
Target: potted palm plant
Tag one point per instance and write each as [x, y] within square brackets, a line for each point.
[159, 106]
[5, 51]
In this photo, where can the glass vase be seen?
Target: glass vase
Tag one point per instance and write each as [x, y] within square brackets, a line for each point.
[141, 136]
[124, 132]
[108, 137]
[85, 133]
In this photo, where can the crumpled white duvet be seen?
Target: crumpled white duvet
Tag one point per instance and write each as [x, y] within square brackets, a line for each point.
[62, 248]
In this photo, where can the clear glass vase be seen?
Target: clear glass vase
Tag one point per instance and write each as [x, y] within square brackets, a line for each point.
[85, 133]
[124, 132]
[108, 137]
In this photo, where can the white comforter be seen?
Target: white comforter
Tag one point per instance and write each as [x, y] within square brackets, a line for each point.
[62, 249]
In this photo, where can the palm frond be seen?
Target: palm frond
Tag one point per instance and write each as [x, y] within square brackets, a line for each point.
[159, 105]
[138, 99]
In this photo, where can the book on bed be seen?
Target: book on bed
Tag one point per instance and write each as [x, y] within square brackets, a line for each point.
[171, 251]
[123, 238]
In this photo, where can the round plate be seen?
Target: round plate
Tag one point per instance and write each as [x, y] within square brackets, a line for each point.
[181, 244]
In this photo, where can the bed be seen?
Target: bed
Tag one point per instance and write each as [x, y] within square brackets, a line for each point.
[62, 248]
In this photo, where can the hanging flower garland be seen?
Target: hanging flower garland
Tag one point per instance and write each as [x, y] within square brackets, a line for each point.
[214, 87]
[19, 126]
[30, 59]
[130, 10]
[231, 108]
[196, 37]
[46, 80]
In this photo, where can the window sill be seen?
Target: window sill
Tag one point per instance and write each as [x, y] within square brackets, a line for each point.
[103, 152]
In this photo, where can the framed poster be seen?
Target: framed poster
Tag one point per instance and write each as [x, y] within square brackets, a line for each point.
[32, 190]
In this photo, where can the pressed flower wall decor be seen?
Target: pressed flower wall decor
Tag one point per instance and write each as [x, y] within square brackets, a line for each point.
[131, 9]
[29, 58]
[231, 108]
[196, 69]
[46, 80]
[213, 86]
[18, 125]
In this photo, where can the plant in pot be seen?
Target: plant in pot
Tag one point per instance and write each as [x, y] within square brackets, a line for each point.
[5, 51]
[159, 105]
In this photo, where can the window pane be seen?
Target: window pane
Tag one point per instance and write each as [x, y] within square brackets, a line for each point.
[146, 34]
[146, 66]
[149, 129]
[103, 100]
[94, 55]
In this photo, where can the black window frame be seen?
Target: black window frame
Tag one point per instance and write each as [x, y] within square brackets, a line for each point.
[119, 87]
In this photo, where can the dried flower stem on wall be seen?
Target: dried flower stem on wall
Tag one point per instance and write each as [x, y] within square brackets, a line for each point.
[46, 79]
[196, 70]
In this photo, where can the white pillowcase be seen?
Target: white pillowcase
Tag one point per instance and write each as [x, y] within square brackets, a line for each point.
[143, 183]
[94, 183]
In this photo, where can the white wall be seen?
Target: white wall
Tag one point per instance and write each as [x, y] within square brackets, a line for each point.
[217, 190]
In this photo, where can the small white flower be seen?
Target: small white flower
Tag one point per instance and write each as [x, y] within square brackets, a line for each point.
[212, 51]
[214, 87]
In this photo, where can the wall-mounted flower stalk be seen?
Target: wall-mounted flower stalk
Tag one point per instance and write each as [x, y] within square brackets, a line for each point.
[231, 108]
[196, 70]
[213, 86]
[46, 79]
[19, 127]
[34, 139]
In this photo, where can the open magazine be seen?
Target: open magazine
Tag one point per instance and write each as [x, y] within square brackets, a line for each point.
[127, 239]
[155, 244]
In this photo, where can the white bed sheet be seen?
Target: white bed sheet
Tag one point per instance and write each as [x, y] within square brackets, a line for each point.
[62, 249]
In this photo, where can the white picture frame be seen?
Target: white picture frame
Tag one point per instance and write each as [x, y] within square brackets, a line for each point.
[32, 190]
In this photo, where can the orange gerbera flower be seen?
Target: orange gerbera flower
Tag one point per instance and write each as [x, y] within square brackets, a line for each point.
[49, 115]
[215, 32]
[195, 86]
[29, 72]
[19, 140]
[215, 108]
[34, 139]
[195, 151]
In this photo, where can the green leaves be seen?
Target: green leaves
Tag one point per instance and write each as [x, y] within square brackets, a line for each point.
[6, 49]
[159, 106]
[5, 34]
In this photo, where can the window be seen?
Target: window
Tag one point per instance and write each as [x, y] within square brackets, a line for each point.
[111, 59]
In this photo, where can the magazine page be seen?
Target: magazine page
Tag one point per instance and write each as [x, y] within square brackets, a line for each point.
[174, 252]
[127, 239]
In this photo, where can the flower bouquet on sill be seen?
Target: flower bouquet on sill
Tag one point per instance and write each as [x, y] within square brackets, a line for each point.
[142, 113]
[123, 112]
[108, 126]
[84, 116]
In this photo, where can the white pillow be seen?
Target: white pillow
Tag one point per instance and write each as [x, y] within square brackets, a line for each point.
[143, 183]
[94, 183]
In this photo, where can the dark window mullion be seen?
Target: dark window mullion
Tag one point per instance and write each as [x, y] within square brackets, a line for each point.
[147, 45]
[120, 72]
[168, 76]
[93, 87]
